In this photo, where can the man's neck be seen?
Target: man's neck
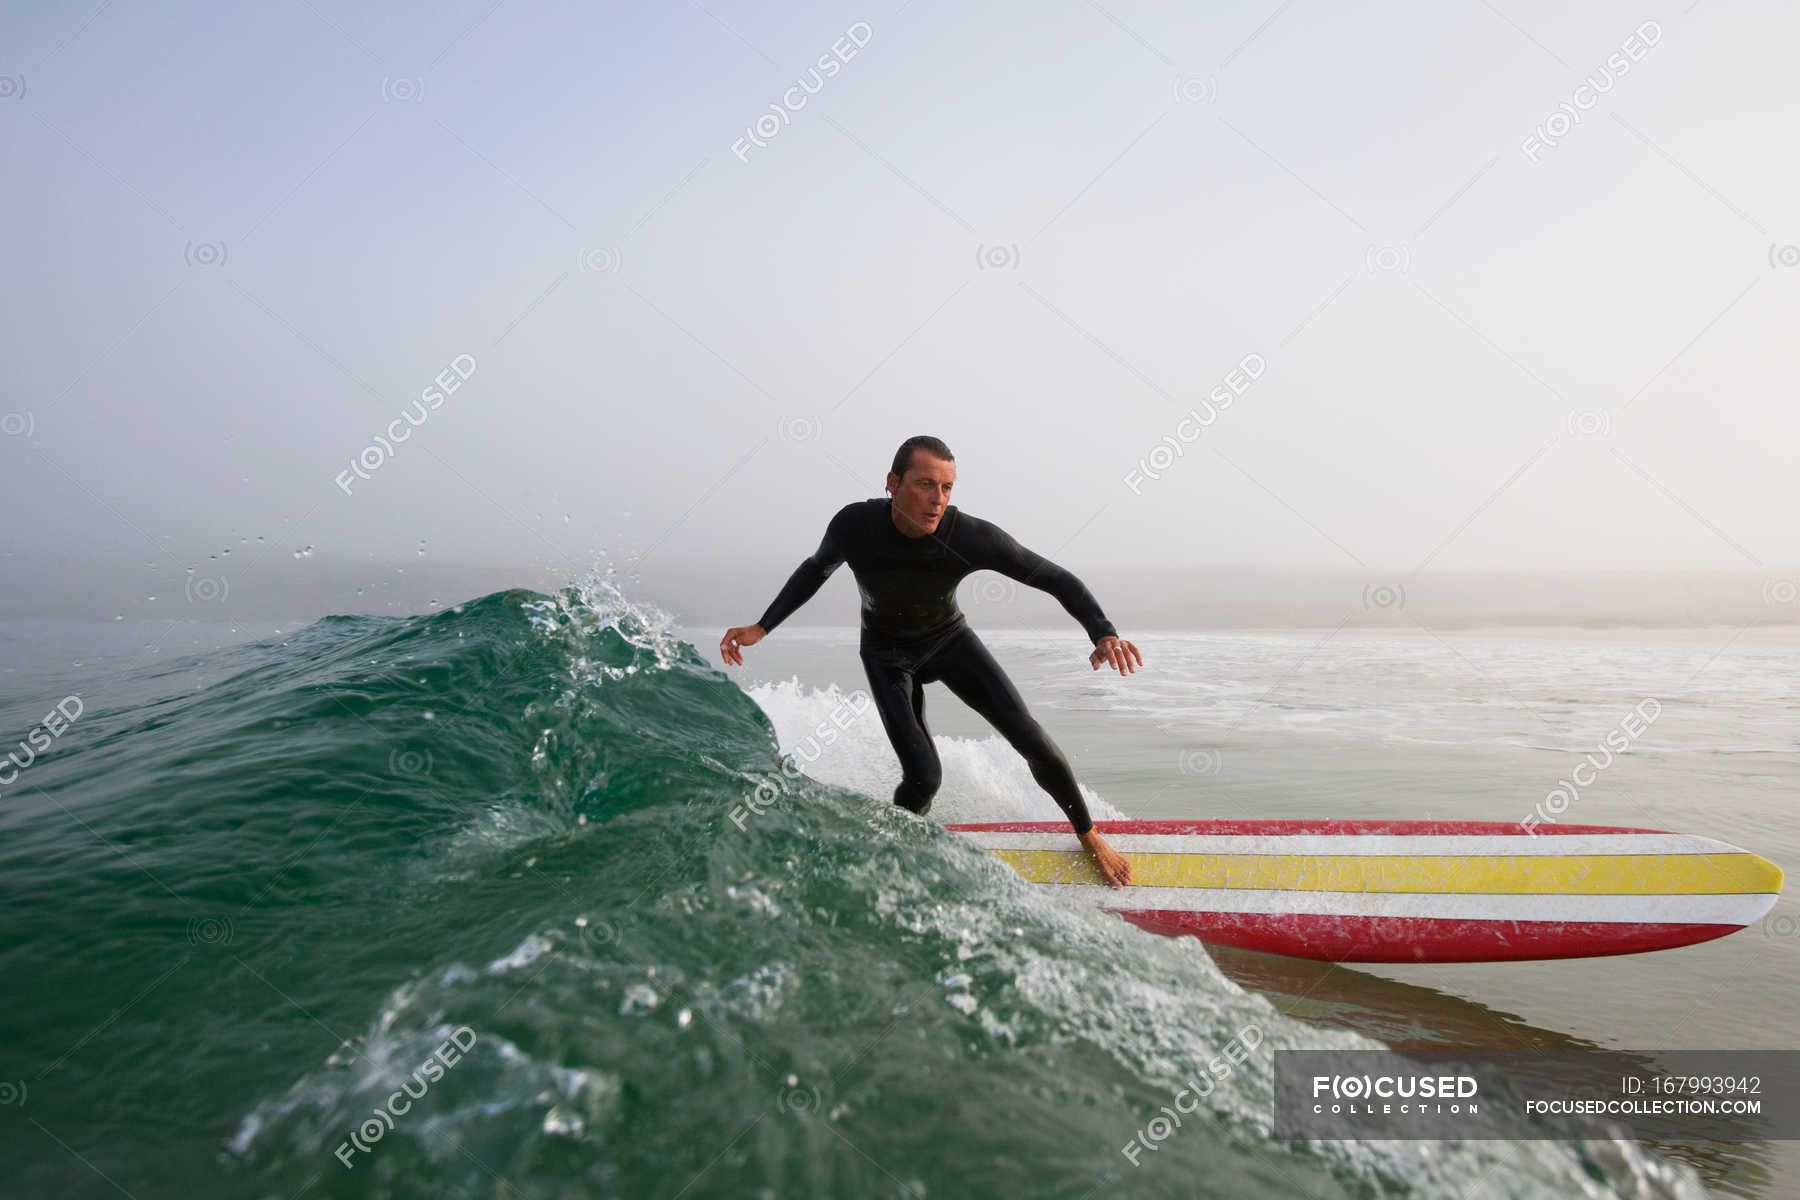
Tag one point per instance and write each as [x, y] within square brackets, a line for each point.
[894, 516]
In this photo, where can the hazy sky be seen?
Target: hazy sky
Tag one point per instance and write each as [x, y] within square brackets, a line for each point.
[243, 239]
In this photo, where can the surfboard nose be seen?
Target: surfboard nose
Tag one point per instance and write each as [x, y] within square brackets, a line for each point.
[1767, 873]
[1766, 878]
[1717, 868]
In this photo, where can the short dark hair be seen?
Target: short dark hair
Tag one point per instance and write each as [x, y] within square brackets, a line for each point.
[932, 446]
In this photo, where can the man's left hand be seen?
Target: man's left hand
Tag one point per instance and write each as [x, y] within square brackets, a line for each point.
[1117, 652]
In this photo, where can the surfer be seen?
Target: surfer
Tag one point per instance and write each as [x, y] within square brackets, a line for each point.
[908, 553]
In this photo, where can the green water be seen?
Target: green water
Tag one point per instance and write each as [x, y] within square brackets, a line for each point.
[249, 893]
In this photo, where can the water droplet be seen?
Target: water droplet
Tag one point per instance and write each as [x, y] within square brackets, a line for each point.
[640, 995]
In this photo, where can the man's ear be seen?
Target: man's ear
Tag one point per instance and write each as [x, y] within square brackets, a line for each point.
[893, 483]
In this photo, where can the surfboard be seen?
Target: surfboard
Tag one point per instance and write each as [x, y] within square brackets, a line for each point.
[1406, 891]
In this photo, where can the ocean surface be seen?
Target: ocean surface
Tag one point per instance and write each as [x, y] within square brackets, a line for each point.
[255, 879]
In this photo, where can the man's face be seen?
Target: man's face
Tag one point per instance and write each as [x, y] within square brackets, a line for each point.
[922, 494]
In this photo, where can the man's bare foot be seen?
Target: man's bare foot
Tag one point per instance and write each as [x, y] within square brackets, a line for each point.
[1113, 866]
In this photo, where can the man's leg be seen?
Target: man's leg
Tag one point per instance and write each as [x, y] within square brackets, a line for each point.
[973, 676]
[900, 699]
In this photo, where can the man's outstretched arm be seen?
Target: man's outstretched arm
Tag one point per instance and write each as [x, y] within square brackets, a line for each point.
[801, 586]
[999, 551]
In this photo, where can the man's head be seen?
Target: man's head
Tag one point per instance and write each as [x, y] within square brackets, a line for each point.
[923, 473]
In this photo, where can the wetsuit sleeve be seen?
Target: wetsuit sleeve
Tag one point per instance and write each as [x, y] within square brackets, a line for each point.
[996, 550]
[811, 574]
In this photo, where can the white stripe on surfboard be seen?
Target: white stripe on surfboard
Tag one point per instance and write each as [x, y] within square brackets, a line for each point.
[1366, 843]
[1729, 909]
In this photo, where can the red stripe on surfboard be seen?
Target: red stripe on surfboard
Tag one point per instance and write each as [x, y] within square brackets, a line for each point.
[1422, 939]
[1286, 828]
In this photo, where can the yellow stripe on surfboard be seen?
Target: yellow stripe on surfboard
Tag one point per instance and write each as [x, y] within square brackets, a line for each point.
[1578, 874]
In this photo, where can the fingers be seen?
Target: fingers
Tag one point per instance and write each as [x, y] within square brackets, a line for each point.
[1121, 655]
[728, 650]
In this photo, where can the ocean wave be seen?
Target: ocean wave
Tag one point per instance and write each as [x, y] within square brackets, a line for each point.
[682, 964]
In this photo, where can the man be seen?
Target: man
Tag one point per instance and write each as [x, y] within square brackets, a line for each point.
[908, 553]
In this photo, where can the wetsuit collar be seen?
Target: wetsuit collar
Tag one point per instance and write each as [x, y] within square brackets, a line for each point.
[943, 522]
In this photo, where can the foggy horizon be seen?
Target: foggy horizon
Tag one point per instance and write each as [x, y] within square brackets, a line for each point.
[700, 596]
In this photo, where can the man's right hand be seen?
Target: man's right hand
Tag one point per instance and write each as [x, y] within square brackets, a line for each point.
[737, 637]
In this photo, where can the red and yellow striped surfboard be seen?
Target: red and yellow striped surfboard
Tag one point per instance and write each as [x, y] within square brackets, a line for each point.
[1406, 891]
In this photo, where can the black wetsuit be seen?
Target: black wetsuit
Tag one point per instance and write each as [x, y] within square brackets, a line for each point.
[913, 633]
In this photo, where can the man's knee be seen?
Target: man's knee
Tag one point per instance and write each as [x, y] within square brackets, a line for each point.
[923, 781]
[914, 804]
[918, 786]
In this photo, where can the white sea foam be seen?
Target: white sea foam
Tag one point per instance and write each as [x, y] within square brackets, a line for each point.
[985, 779]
